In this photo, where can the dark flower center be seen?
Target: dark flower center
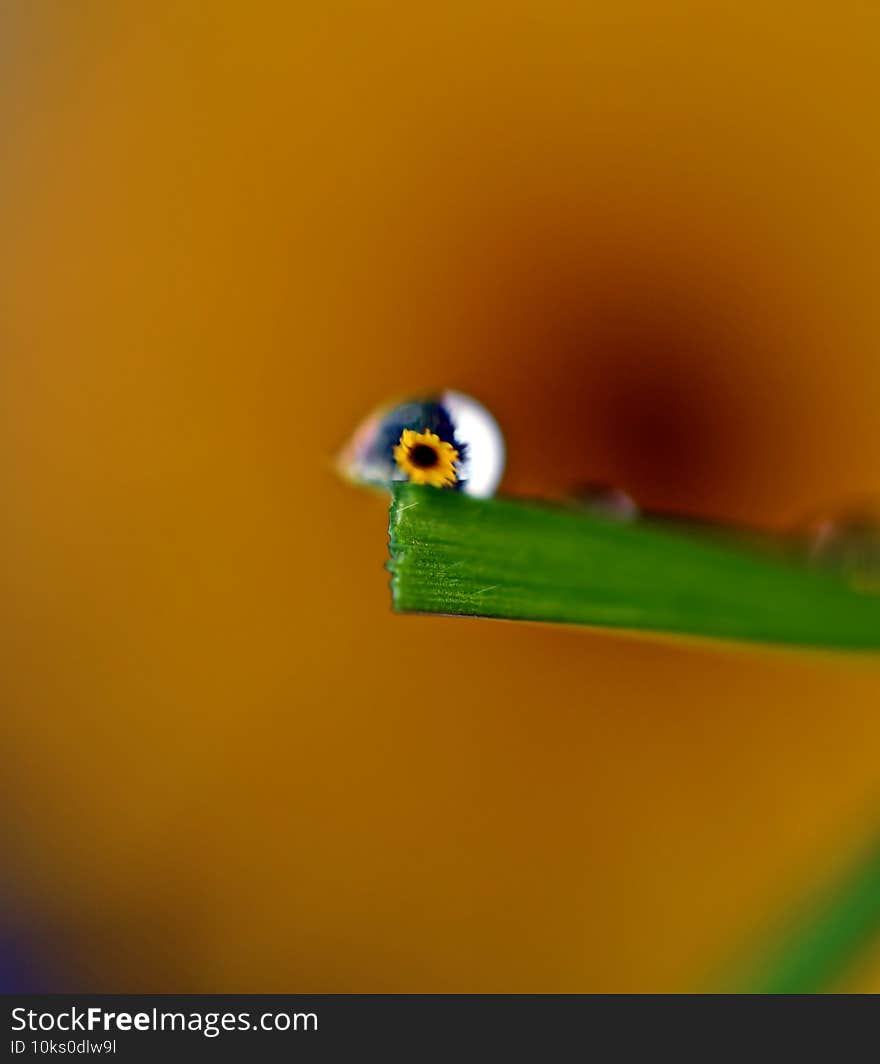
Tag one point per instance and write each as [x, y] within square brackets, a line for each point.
[423, 456]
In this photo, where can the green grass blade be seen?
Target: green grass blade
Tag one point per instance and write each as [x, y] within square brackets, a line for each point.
[454, 554]
[825, 940]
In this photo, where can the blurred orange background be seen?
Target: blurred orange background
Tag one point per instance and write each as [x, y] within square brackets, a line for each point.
[645, 235]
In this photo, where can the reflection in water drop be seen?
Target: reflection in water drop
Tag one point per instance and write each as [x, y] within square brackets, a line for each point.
[450, 422]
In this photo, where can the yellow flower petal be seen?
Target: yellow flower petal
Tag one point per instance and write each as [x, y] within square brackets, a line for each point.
[426, 459]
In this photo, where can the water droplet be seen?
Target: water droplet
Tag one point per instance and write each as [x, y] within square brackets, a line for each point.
[847, 542]
[603, 500]
[456, 418]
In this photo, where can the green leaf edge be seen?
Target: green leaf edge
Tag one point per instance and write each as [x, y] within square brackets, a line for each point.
[521, 560]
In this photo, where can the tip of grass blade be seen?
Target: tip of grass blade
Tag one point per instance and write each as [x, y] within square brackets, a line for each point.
[517, 560]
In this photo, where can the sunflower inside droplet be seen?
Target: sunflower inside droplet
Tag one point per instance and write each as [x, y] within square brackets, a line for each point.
[426, 459]
[458, 419]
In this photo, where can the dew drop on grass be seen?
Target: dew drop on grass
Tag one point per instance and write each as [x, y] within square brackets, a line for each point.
[456, 418]
[847, 542]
